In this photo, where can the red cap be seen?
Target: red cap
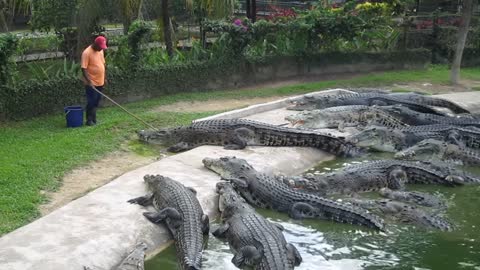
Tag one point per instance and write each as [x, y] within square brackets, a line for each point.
[101, 42]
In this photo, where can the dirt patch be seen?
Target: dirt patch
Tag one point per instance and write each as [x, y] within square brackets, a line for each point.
[96, 174]
[466, 85]
[213, 105]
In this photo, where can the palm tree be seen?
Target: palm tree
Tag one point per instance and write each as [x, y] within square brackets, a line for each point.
[130, 11]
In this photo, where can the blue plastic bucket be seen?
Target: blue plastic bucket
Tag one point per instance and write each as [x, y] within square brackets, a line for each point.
[74, 116]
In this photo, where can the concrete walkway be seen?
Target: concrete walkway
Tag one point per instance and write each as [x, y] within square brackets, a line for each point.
[100, 228]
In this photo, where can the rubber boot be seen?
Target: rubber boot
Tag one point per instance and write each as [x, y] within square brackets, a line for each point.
[94, 115]
[89, 113]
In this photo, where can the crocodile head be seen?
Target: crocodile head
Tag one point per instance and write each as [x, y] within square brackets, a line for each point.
[423, 150]
[377, 138]
[229, 201]
[161, 136]
[313, 118]
[156, 182]
[306, 102]
[229, 167]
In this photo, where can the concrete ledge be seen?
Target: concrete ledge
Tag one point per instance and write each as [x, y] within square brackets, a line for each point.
[467, 100]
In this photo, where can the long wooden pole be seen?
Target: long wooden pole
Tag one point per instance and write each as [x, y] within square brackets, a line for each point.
[123, 108]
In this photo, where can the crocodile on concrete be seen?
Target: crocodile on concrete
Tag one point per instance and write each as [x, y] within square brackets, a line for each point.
[179, 209]
[419, 198]
[358, 116]
[394, 140]
[238, 133]
[410, 100]
[434, 150]
[256, 242]
[403, 212]
[134, 261]
[265, 191]
[375, 175]
[415, 118]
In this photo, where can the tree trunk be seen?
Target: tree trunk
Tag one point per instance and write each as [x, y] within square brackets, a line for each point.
[248, 9]
[254, 11]
[468, 6]
[167, 33]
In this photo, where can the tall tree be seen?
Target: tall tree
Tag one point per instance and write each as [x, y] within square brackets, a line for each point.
[8, 10]
[467, 10]
[130, 11]
[167, 29]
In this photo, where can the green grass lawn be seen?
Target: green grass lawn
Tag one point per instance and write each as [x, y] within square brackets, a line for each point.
[35, 154]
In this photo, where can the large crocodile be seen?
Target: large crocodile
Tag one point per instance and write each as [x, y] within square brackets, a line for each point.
[265, 191]
[238, 133]
[431, 149]
[256, 242]
[413, 101]
[374, 175]
[415, 197]
[404, 213]
[394, 140]
[358, 116]
[415, 118]
[179, 209]
[135, 260]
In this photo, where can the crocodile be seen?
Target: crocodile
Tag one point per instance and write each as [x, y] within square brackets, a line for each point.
[179, 209]
[431, 149]
[374, 175]
[415, 197]
[358, 116]
[256, 242]
[413, 101]
[265, 191]
[238, 133]
[404, 213]
[415, 118]
[394, 140]
[135, 260]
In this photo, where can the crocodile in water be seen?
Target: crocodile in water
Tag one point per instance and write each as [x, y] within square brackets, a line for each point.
[266, 191]
[431, 149]
[256, 242]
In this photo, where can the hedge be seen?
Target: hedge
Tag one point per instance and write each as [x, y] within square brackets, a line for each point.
[34, 98]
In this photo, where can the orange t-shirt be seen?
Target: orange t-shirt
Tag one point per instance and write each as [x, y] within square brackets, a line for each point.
[94, 62]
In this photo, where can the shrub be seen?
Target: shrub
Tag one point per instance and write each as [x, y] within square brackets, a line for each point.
[8, 46]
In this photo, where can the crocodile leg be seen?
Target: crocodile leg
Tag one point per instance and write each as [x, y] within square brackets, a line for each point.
[221, 231]
[301, 210]
[247, 256]
[238, 139]
[180, 147]
[158, 217]
[293, 254]
[397, 179]
[143, 200]
[192, 190]
[455, 138]
[205, 224]
[237, 182]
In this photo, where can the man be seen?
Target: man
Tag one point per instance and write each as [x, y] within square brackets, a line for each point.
[93, 70]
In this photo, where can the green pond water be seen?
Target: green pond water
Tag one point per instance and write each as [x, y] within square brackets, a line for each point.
[327, 245]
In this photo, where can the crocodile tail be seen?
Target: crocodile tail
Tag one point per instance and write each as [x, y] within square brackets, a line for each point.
[352, 214]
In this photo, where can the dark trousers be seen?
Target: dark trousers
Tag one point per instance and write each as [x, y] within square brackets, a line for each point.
[93, 100]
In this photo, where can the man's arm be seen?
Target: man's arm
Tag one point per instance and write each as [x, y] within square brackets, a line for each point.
[88, 81]
[84, 65]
